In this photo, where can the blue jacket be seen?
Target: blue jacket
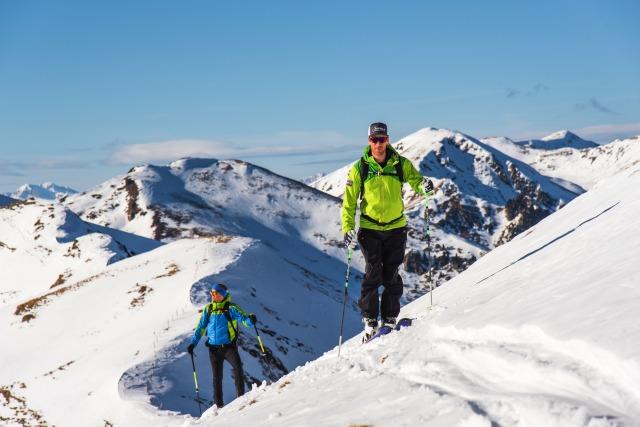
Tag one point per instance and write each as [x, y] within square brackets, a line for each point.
[218, 328]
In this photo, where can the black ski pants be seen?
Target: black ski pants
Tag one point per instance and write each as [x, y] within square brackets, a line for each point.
[383, 253]
[217, 355]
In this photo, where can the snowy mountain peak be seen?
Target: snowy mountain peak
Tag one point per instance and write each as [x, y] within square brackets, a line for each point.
[631, 139]
[561, 134]
[202, 197]
[191, 163]
[46, 191]
[558, 140]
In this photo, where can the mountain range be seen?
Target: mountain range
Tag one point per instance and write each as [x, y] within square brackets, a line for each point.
[46, 191]
[112, 278]
[541, 331]
[490, 191]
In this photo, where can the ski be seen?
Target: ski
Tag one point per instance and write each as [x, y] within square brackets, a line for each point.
[405, 322]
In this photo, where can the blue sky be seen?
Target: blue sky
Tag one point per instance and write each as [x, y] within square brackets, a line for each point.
[88, 89]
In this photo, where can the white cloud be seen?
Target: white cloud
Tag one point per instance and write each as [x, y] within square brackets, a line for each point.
[288, 143]
[610, 130]
[598, 133]
[60, 163]
[166, 151]
[20, 168]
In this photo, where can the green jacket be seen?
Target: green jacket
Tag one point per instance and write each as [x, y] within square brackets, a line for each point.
[382, 199]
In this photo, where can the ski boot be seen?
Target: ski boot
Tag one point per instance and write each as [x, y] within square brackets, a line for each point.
[389, 322]
[370, 328]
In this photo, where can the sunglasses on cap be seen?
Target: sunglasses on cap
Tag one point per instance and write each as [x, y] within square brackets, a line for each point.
[378, 139]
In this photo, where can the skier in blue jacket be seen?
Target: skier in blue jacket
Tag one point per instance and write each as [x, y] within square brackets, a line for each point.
[220, 321]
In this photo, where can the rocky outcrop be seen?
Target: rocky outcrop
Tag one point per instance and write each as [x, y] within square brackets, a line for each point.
[132, 198]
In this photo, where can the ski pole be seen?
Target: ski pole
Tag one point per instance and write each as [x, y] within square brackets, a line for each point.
[258, 335]
[195, 380]
[344, 302]
[428, 236]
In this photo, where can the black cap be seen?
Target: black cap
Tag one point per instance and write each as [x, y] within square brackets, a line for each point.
[378, 128]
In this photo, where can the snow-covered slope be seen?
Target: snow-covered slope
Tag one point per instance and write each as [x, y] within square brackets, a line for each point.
[108, 347]
[206, 197]
[487, 197]
[273, 240]
[43, 246]
[46, 191]
[295, 228]
[542, 331]
[574, 166]
[65, 366]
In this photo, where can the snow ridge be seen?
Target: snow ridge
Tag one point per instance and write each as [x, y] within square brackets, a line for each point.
[527, 335]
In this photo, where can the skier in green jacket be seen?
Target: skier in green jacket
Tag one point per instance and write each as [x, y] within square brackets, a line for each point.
[376, 180]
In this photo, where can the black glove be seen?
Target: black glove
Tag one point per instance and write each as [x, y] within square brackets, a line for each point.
[427, 185]
[253, 318]
[350, 239]
[190, 349]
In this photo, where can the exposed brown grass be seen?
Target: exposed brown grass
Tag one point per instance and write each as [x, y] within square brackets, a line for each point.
[27, 308]
[39, 226]
[284, 384]
[59, 281]
[73, 250]
[15, 409]
[4, 245]
[222, 238]
[27, 318]
[142, 291]
[249, 403]
[170, 270]
[59, 368]
[18, 204]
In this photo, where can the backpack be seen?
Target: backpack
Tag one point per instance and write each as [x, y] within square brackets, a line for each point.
[364, 173]
[225, 311]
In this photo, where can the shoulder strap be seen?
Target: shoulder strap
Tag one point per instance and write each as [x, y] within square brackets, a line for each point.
[209, 308]
[230, 320]
[399, 170]
[364, 173]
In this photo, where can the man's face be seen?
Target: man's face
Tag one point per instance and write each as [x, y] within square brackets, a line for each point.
[216, 297]
[378, 145]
